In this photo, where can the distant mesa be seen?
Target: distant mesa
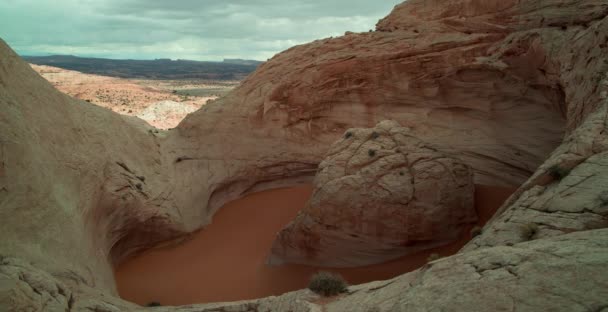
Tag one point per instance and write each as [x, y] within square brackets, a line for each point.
[242, 62]
[229, 69]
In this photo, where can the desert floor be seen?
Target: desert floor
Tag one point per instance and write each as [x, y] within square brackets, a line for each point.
[226, 260]
[161, 103]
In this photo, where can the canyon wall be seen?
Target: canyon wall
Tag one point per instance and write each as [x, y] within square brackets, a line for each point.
[75, 179]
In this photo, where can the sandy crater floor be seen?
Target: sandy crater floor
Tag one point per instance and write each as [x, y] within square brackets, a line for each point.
[226, 260]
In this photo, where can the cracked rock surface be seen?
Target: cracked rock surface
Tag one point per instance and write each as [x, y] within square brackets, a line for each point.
[379, 194]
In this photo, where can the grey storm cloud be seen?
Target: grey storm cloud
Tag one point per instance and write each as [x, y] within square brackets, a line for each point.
[188, 29]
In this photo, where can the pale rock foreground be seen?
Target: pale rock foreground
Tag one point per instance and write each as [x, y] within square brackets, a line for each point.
[164, 113]
[379, 194]
[499, 83]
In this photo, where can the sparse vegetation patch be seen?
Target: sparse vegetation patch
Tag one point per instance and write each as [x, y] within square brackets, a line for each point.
[558, 172]
[604, 198]
[327, 284]
[433, 257]
[153, 304]
[528, 230]
[476, 231]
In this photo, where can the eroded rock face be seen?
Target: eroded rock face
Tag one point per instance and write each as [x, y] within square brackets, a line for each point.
[86, 184]
[379, 194]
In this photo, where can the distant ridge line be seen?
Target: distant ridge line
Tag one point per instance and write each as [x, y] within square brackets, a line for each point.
[229, 69]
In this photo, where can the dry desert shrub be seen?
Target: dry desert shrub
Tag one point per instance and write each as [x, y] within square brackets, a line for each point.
[153, 304]
[432, 257]
[558, 172]
[327, 284]
[528, 230]
[476, 231]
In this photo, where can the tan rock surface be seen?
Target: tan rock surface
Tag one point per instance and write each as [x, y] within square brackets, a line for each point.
[166, 114]
[497, 82]
[379, 194]
[80, 179]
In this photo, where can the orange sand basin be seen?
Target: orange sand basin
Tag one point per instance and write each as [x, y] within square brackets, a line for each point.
[226, 261]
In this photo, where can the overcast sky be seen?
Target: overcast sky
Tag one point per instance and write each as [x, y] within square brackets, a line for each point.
[186, 29]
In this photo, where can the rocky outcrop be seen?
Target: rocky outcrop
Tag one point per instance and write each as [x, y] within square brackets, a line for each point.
[378, 195]
[84, 186]
[166, 114]
[498, 83]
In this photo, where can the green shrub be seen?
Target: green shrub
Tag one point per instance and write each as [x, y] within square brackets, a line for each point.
[432, 257]
[558, 172]
[153, 304]
[604, 198]
[528, 230]
[327, 284]
[476, 231]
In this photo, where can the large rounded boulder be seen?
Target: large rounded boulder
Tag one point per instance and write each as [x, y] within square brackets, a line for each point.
[379, 194]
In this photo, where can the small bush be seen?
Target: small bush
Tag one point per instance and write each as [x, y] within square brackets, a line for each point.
[375, 135]
[371, 153]
[154, 304]
[476, 231]
[528, 230]
[432, 257]
[327, 284]
[558, 172]
[604, 198]
[348, 135]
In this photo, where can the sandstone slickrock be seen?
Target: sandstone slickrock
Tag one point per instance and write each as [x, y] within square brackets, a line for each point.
[76, 180]
[499, 83]
[379, 194]
[164, 113]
